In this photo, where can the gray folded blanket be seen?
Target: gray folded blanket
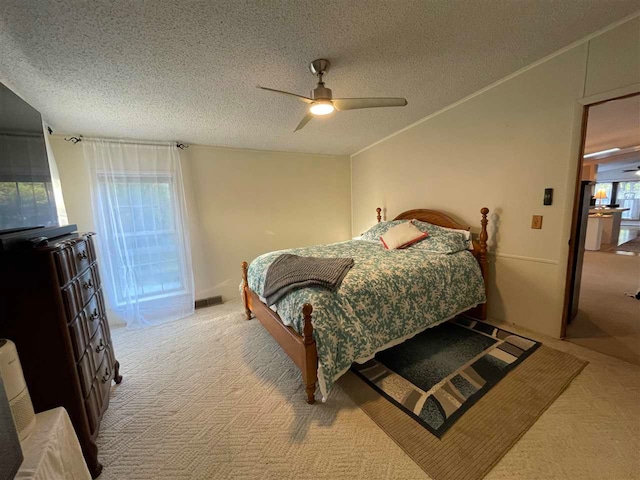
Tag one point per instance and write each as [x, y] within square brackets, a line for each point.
[290, 272]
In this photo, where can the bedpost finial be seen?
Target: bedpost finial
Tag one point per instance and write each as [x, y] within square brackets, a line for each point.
[484, 236]
[379, 210]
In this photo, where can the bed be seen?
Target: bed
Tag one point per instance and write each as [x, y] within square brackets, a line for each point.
[387, 297]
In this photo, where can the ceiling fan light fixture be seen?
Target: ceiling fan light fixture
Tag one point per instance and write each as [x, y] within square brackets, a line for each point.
[321, 108]
[637, 172]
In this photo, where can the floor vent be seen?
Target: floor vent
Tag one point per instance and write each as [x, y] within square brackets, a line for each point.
[208, 302]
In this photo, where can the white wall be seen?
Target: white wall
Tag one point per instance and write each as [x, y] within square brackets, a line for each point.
[251, 202]
[500, 149]
[242, 203]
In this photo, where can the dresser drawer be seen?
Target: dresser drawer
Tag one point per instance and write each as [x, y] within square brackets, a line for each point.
[74, 259]
[98, 345]
[93, 313]
[89, 284]
[93, 406]
[104, 377]
[91, 247]
[98, 399]
[81, 256]
[79, 336]
[86, 373]
[79, 292]
[97, 362]
[84, 326]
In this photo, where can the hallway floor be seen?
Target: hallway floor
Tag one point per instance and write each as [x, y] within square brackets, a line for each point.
[608, 321]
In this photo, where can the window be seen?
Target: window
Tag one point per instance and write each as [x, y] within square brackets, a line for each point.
[628, 196]
[27, 204]
[143, 228]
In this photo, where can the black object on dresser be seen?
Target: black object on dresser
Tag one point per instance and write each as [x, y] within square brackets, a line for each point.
[51, 306]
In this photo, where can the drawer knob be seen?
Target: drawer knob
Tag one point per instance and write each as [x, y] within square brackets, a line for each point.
[101, 346]
[88, 285]
[106, 376]
[82, 255]
[95, 315]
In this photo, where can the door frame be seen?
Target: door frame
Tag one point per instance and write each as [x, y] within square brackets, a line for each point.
[575, 214]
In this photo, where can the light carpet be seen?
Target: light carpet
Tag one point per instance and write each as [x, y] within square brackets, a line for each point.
[609, 321]
[214, 397]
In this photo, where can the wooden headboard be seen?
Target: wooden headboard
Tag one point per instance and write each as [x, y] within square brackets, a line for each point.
[431, 216]
[479, 245]
[436, 218]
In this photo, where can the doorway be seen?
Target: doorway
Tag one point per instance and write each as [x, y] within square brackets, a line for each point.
[601, 311]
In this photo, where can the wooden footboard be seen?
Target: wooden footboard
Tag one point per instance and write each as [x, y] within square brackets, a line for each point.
[301, 348]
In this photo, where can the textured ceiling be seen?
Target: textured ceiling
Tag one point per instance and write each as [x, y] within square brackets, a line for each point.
[187, 70]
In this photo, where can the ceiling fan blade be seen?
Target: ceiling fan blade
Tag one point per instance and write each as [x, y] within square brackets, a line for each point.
[299, 97]
[304, 121]
[356, 103]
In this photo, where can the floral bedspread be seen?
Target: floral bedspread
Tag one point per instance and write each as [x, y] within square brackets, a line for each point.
[386, 298]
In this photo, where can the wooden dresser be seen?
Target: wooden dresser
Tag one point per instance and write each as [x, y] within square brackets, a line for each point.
[51, 306]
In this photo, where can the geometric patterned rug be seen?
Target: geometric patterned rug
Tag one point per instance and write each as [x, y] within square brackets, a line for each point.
[477, 441]
[436, 376]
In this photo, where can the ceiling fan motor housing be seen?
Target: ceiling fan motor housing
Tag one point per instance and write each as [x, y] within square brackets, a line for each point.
[321, 93]
[319, 68]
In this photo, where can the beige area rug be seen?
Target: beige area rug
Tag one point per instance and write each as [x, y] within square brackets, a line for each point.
[482, 436]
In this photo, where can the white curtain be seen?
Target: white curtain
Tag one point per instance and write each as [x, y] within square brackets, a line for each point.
[55, 181]
[140, 215]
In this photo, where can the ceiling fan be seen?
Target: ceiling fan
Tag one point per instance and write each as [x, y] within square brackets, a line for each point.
[636, 170]
[322, 102]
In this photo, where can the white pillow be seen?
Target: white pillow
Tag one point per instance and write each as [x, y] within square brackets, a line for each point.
[401, 236]
[466, 233]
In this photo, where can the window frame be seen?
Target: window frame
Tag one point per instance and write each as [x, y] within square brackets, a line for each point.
[121, 300]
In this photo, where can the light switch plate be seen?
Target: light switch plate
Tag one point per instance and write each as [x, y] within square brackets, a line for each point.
[536, 222]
